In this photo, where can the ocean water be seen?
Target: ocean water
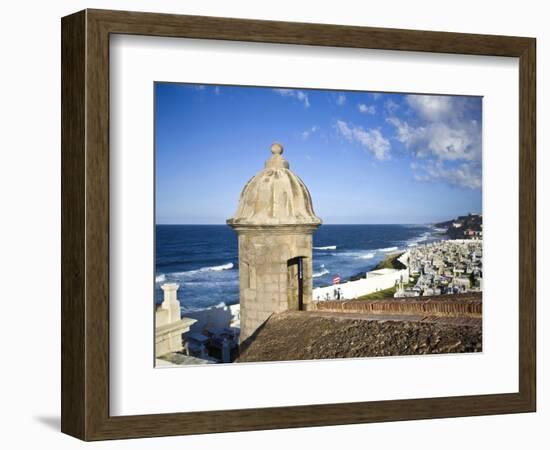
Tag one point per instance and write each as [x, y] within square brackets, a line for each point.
[203, 259]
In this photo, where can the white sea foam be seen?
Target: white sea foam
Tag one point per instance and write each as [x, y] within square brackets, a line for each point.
[326, 247]
[320, 274]
[359, 254]
[212, 283]
[366, 256]
[323, 271]
[188, 308]
[388, 249]
[417, 240]
[219, 268]
[160, 278]
[227, 266]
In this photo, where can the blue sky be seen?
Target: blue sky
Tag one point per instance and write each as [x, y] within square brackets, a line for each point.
[365, 157]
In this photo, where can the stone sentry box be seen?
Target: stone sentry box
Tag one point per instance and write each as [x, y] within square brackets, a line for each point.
[274, 223]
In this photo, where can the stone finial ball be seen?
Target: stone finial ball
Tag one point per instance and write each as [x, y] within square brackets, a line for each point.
[277, 148]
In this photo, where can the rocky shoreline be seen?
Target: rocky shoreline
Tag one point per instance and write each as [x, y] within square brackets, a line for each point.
[391, 261]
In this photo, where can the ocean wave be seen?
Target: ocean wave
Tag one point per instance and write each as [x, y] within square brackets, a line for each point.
[212, 283]
[160, 278]
[219, 268]
[388, 249]
[366, 256]
[417, 240]
[323, 271]
[358, 254]
[326, 247]
[201, 308]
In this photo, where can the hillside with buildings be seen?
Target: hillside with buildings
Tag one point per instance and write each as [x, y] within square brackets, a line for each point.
[446, 267]
[463, 227]
[438, 268]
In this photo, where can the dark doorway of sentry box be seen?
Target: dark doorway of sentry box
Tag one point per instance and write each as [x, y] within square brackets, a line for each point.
[295, 277]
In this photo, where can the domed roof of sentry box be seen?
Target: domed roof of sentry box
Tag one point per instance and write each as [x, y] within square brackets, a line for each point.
[275, 196]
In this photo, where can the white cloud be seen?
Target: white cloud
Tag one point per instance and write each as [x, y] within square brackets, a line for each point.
[442, 141]
[344, 130]
[376, 95]
[341, 100]
[285, 92]
[446, 144]
[217, 90]
[406, 134]
[465, 176]
[367, 109]
[301, 96]
[307, 133]
[432, 107]
[391, 106]
[371, 140]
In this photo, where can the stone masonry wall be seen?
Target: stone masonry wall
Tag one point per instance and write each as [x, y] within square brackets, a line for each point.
[466, 305]
[263, 258]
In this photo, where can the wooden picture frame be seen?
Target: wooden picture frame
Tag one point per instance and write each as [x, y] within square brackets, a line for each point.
[85, 224]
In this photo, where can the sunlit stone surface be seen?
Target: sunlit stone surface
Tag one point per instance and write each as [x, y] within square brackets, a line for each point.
[274, 221]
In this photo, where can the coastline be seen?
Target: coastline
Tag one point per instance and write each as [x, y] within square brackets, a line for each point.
[203, 259]
[391, 261]
[216, 281]
[378, 300]
[438, 275]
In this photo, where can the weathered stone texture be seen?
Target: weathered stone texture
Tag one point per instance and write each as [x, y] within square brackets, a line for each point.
[308, 335]
[458, 305]
[274, 222]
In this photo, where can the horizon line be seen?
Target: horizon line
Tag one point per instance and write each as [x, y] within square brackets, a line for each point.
[378, 223]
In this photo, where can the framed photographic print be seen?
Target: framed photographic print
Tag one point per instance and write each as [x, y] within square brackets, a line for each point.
[266, 224]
